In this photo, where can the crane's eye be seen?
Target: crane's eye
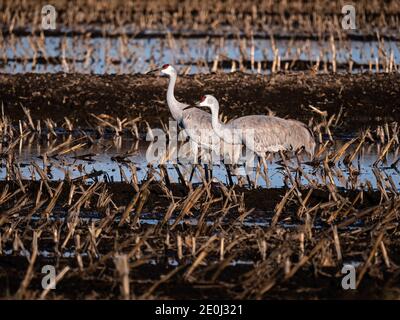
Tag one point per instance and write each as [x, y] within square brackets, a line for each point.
[203, 98]
[165, 66]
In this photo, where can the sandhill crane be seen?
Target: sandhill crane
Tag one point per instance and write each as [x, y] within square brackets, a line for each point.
[266, 133]
[195, 122]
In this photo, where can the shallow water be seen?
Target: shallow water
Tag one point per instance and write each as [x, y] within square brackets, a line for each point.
[117, 160]
[73, 254]
[112, 55]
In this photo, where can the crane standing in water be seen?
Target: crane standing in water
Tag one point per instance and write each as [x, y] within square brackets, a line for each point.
[195, 122]
[268, 134]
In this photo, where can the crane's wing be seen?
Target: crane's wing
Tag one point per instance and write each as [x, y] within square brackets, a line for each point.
[198, 126]
[271, 134]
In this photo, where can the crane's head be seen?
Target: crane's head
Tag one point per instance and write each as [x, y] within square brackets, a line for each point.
[168, 69]
[209, 101]
[165, 69]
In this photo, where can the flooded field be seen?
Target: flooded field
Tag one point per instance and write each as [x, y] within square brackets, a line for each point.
[81, 192]
[193, 55]
[74, 199]
[263, 37]
[125, 160]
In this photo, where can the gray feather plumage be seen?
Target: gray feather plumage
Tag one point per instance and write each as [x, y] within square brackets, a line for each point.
[197, 125]
[269, 134]
[272, 134]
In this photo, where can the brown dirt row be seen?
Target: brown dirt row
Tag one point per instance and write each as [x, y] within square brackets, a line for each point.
[261, 199]
[366, 99]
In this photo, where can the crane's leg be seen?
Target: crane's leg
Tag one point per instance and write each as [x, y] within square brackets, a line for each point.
[206, 172]
[208, 167]
[283, 157]
[229, 174]
[193, 155]
[297, 153]
[194, 166]
[261, 162]
[265, 169]
[192, 172]
[208, 163]
[180, 175]
[194, 148]
[258, 170]
[164, 171]
[230, 153]
[289, 175]
[249, 180]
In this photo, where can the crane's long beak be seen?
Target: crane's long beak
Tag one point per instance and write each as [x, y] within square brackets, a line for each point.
[153, 71]
[200, 106]
[197, 104]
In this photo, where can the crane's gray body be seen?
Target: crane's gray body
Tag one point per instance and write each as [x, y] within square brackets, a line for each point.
[261, 133]
[273, 134]
[197, 125]
[258, 133]
[195, 122]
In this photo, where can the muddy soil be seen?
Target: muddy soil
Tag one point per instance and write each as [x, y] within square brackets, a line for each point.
[366, 99]
[260, 199]
[102, 286]
[99, 280]
[365, 222]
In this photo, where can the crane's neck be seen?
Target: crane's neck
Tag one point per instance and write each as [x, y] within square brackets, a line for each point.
[216, 124]
[223, 131]
[175, 107]
[219, 128]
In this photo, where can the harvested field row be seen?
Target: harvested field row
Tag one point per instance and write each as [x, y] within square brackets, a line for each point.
[362, 100]
[288, 17]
